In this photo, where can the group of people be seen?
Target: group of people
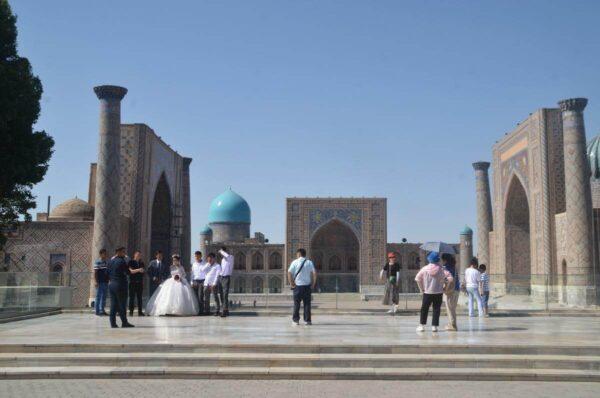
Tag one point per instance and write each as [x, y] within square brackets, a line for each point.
[437, 279]
[170, 291]
[172, 294]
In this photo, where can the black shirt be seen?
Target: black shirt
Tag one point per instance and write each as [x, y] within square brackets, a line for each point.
[118, 270]
[395, 268]
[137, 277]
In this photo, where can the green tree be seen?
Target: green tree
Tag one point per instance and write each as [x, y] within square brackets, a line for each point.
[24, 153]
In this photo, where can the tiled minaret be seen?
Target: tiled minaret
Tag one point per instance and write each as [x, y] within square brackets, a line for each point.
[580, 288]
[107, 212]
[466, 249]
[484, 211]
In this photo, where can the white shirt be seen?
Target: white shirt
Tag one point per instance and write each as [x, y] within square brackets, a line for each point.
[212, 274]
[472, 277]
[199, 270]
[226, 264]
[304, 277]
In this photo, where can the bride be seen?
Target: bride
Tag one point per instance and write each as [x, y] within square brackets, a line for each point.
[174, 296]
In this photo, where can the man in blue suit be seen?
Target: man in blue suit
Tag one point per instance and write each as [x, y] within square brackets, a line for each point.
[158, 271]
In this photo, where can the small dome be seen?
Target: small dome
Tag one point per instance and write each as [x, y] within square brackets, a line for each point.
[593, 152]
[206, 230]
[229, 207]
[466, 231]
[73, 209]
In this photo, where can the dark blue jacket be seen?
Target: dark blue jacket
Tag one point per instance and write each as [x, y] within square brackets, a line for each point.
[118, 271]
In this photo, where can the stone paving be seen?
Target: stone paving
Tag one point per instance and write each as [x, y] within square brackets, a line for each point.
[292, 389]
[327, 329]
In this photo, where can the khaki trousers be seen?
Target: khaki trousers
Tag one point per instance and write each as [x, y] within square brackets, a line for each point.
[451, 302]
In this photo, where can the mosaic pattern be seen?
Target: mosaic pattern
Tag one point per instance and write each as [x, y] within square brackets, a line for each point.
[318, 217]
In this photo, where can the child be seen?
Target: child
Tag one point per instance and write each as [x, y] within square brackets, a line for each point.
[485, 281]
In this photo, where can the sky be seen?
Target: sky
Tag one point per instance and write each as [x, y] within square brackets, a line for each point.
[323, 98]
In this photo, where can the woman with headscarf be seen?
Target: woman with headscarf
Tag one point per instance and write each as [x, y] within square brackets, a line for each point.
[390, 272]
[431, 279]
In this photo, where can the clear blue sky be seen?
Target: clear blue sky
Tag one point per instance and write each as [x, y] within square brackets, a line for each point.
[392, 99]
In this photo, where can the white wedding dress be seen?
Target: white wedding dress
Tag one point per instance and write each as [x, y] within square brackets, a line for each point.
[173, 297]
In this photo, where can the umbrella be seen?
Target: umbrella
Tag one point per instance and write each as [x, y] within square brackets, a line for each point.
[440, 247]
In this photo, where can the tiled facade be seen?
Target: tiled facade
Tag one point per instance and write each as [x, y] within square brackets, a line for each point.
[528, 245]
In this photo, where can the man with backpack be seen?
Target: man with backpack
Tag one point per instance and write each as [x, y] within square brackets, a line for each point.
[302, 278]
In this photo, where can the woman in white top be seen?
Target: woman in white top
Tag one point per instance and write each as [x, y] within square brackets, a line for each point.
[174, 296]
[473, 284]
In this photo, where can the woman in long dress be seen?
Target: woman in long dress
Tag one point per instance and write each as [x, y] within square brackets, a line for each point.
[390, 272]
[174, 296]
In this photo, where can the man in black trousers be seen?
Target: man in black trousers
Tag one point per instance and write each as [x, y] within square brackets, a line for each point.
[155, 272]
[117, 287]
[136, 282]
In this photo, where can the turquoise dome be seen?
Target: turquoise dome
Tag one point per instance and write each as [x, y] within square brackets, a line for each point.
[593, 152]
[229, 207]
[206, 230]
[466, 231]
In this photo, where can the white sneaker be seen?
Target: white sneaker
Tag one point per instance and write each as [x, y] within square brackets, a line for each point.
[395, 309]
[420, 328]
[391, 311]
[294, 323]
[434, 329]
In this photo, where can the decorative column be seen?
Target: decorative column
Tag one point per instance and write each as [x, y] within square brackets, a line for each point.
[186, 227]
[107, 210]
[484, 211]
[580, 288]
[466, 249]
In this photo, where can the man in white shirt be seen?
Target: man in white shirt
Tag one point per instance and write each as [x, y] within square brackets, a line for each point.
[211, 284]
[302, 278]
[199, 268]
[225, 279]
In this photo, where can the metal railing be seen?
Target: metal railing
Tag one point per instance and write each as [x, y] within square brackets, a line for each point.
[31, 291]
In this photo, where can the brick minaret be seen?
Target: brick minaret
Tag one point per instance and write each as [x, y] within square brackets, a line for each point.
[484, 211]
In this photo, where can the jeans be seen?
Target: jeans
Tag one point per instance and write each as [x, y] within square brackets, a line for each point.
[198, 286]
[428, 300]
[118, 303]
[473, 293]
[135, 291]
[100, 302]
[215, 291]
[302, 294]
[485, 298]
[224, 292]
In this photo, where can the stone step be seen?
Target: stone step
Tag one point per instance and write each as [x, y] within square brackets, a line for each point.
[102, 372]
[276, 360]
[438, 349]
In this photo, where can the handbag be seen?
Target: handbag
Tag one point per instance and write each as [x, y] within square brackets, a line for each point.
[298, 272]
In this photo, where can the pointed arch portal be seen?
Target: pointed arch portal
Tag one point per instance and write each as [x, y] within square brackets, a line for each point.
[160, 235]
[518, 239]
[336, 249]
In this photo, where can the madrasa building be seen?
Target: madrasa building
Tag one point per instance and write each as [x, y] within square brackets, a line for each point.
[346, 238]
[539, 227]
[138, 197]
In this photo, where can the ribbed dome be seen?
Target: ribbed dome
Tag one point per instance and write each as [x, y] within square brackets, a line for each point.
[229, 207]
[466, 231]
[75, 208]
[593, 152]
[206, 230]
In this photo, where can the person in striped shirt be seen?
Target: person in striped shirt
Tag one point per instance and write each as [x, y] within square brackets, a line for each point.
[485, 282]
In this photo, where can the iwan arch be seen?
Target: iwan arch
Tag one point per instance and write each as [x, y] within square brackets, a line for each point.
[538, 226]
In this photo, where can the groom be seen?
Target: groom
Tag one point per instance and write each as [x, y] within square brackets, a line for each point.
[156, 271]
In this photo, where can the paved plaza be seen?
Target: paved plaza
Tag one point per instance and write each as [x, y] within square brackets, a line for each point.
[291, 389]
[327, 329]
